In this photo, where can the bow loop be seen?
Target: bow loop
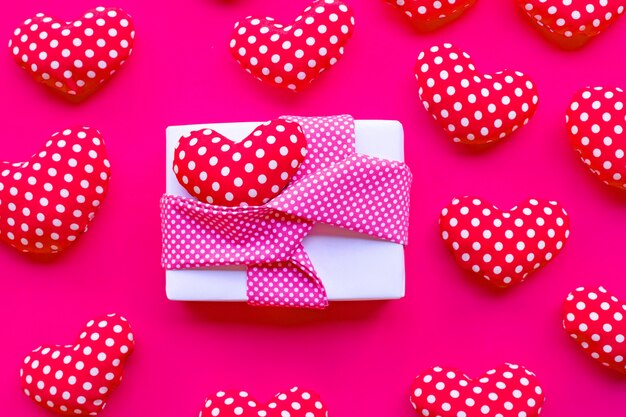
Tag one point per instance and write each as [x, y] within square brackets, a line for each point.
[198, 235]
[361, 193]
[293, 283]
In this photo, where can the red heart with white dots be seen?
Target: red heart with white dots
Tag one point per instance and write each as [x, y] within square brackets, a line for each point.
[295, 403]
[48, 201]
[251, 172]
[572, 23]
[74, 58]
[293, 56]
[427, 15]
[471, 107]
[503, 247]
[596, 119]
[79, 378]
[595, 319]
[506, 391]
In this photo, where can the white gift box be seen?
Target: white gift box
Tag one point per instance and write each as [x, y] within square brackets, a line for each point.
[352, 266]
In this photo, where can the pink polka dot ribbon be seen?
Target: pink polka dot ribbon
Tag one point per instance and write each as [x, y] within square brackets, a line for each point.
[334, 186]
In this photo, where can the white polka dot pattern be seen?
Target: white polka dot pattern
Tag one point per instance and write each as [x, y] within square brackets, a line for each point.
[224, 236]
[473, 108]
[594, 318]
[329, 140]
[251, 172]
[361, 193]
[571, 23]
[48, 201]
[503, 247]
[596, 119]
[293, 56]
[74, 58]
[427, 15]
[506, 391]
[197, 235]
[294, 403]
[292, 283]
[364, 194]
[78, 379]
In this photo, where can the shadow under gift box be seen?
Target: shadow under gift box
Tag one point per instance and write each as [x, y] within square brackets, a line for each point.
[352, 266]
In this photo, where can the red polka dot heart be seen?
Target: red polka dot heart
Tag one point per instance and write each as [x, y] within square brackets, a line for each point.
[219, 171]
[74, 58]
[596, 119]
[572, 23]
[596, 319]
[292, 56]
[503, 247]
[295, 403]
[506, 391]
[79, 378]
[427, 15]
[473, 108]
[48, 201]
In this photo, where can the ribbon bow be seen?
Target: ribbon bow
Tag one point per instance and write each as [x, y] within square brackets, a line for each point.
[334, 185]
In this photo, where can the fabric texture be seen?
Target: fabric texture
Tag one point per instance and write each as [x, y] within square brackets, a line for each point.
[296, 402]
[78, 379]
[74, 58]
[596, 123]
[49, 200]
[292, 56]
[249, 172]
[506, 391]
[427, 15]
[595, 319]
[471, 107]
[504, 247]
[570, 24]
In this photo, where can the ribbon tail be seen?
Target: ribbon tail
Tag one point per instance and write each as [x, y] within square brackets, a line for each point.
[292, 283]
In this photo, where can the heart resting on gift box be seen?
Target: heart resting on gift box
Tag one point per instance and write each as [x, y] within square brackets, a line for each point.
[79, 378]
[293, 56]
[506, 391]
[572, 23]
[503, 247]
[471, 107]
[596, 119]
[295, 403]
[219, 171]
[48, 201]
[427, 15]
[74, 58]
[594, 318]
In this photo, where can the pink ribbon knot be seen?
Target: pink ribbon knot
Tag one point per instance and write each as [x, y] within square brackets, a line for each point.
[334, 185]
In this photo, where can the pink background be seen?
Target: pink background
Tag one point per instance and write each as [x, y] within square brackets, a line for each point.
[361, 357]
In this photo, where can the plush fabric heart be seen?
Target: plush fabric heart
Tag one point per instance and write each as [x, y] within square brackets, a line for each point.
[78, 379]
[571, 23]
[251, 172]
[596, 119]
[595, 319]
[48, 201]
[473, 108]
[503, 247]
[74, 58]
[427, 15]
[506, 391]
[295, 403]
[293, 56]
